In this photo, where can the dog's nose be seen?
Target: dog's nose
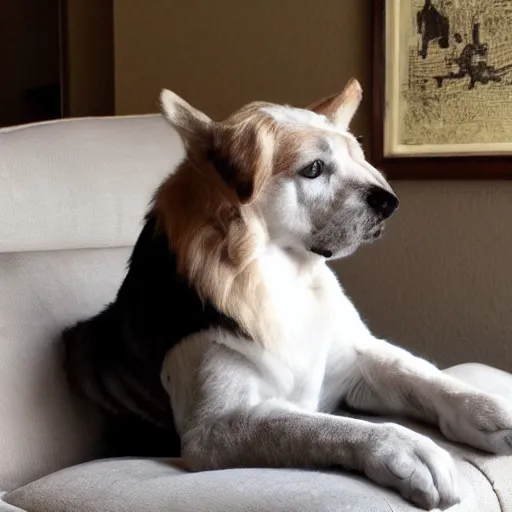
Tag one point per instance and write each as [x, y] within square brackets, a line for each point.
[381, 201]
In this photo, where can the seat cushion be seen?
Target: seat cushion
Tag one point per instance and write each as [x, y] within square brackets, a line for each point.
[150, 485]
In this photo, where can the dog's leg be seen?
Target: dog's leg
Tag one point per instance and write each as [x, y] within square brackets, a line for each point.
[388, 379]
[228, 416]
[272, 435]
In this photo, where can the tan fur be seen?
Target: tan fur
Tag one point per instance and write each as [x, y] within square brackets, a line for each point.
[291, 145]
[246, 139]
[331, 106]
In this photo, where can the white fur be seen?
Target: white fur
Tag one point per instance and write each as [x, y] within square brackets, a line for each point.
[307, 300]
[326, 354]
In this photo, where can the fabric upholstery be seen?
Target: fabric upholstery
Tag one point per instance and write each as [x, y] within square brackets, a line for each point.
[81, 183]
[66, 188]
[138, 485]
[498, 470]
[42, 429]
[5, 507]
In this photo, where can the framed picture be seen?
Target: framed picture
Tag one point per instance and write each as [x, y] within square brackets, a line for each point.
[443, 88]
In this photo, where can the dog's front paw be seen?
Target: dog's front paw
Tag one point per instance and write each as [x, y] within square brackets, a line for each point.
[479, 419]
[420, 470]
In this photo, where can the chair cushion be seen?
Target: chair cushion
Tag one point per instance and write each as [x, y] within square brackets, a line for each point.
[150, 485]
[81, 183]
[498, 470]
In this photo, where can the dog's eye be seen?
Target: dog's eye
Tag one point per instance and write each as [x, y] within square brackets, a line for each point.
[313, 170]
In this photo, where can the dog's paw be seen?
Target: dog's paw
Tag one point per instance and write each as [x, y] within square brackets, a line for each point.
[479, 419]
[414, 465]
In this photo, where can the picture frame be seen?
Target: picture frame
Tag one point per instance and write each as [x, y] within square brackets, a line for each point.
[442, 92]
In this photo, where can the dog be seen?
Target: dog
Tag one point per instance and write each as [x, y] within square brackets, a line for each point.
[232, 337]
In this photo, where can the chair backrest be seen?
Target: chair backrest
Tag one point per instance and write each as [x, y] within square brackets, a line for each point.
[72, 197]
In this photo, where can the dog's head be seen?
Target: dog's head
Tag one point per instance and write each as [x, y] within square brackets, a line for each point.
[301, 169]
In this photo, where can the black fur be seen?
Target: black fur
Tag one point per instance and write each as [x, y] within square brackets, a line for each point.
[115, 357]
[231, 175]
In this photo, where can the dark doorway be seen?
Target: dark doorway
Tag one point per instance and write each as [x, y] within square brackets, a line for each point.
[56, 59]
[30, 83]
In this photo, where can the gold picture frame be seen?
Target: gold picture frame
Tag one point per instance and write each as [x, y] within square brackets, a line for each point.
[443, 87]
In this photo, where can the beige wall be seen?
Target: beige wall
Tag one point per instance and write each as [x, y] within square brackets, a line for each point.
[224, 53]
[440, 282]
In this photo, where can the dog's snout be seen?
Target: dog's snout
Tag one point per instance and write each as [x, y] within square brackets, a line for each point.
[381, 201]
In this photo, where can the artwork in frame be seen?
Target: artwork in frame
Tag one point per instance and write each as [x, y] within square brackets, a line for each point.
[443, 88]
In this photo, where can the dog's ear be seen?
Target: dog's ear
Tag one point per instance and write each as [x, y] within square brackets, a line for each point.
[192, 125]
[340, 108]
[243, 156]
[240, 155]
